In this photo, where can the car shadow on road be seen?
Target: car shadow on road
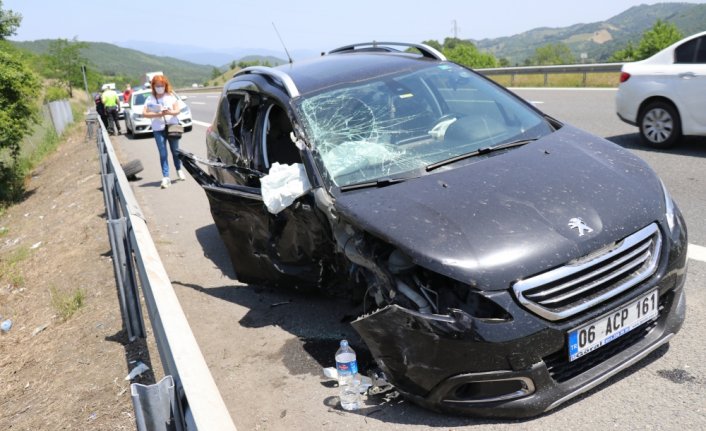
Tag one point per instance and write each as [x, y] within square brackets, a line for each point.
[318, 322]
[694, 146]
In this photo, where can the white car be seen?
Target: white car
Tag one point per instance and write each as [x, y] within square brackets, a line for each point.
[136, 124]
[665, 95]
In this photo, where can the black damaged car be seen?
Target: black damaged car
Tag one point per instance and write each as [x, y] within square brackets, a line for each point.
[507, 262]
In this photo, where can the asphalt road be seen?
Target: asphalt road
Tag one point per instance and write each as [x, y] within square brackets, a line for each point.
[266, 348]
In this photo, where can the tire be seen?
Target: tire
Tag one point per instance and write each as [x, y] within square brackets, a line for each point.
[132, 168]
[660, 125]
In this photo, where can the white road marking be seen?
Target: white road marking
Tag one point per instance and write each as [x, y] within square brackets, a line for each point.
[197, 103]
[201, 123]
[536, 102]
[565, 88]
[697, 252]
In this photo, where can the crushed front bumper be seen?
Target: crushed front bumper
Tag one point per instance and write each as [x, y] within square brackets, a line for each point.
[468, 367]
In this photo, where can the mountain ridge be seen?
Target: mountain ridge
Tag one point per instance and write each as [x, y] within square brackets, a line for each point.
[598, 40]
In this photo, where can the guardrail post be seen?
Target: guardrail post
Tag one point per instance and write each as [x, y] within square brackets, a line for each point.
[156, 406]
[583, 81]
[125, 279]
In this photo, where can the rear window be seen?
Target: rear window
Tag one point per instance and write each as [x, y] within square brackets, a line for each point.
[693, 51]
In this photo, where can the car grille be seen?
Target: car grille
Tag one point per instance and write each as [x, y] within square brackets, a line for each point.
[561, 370]
[571, 289]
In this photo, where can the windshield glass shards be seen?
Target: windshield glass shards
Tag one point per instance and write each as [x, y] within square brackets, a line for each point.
[385, 127]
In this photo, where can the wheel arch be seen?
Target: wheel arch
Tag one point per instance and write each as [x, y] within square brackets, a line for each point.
[652, 99]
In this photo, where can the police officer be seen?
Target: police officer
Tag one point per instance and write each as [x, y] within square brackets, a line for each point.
[111, 101]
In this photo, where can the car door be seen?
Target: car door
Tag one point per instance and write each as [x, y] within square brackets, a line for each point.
[690, 70]
[293, 247]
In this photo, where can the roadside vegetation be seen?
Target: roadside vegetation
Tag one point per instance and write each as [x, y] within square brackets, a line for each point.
[66, 303]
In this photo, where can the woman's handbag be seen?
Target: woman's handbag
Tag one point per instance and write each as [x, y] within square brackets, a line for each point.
[175, 130]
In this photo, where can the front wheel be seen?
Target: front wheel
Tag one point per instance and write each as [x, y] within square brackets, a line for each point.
[660, 126]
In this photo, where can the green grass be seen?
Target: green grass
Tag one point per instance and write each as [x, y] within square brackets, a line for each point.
[570, 80]
[9, 270]
[66, 304]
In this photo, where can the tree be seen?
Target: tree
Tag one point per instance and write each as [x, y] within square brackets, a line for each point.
[65, 60]
[215, 73]
[629, 53]
[463, 52]
[9, 21]
[434, 44]
[552, 53]
[19, 89]
[660, 36]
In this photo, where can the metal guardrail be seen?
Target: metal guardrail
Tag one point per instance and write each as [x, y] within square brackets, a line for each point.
[584, 69]
[187, 398]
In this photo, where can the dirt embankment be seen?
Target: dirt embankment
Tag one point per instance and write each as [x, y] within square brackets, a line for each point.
[59, 372]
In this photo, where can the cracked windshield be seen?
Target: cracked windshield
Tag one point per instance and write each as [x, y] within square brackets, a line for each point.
[395, 126]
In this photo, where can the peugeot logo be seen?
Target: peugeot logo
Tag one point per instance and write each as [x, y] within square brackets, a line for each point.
[577, 223]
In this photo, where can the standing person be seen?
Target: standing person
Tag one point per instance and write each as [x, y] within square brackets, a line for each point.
[111, 101]
[163, 107]
[127, 93]
[100, 109]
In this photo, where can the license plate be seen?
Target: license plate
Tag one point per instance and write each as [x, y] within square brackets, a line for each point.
[613, 325]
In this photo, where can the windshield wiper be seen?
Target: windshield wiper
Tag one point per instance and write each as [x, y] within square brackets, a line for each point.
[478, 152]
[380, 182]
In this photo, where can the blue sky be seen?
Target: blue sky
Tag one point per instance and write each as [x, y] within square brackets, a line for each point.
[318, 25]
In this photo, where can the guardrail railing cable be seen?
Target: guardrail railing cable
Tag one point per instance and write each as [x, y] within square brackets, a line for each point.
[187, 398]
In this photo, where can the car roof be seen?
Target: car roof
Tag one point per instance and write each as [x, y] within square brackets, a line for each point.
[316, 74]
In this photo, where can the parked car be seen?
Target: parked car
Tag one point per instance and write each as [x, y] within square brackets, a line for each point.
[665, 95]
[122, 105]
[505, 262]
[137, 124]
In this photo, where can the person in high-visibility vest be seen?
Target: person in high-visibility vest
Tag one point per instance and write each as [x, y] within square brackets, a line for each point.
[111, 103]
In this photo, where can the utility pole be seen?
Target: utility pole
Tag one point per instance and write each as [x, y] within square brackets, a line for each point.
[455, 29]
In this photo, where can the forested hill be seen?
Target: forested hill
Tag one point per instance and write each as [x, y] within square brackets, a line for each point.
[110, 59]
[599, 39]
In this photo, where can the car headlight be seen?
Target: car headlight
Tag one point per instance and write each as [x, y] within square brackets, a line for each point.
[137, 116]
[185, 110]
[669, 207]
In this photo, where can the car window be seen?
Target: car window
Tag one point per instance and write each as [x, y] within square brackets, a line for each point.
[139, 99]
[685, 52]
[223, 120]
[276, 138]
[701, 51]
[393, 125]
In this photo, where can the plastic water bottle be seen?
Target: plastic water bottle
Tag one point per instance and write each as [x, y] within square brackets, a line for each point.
[348, 379]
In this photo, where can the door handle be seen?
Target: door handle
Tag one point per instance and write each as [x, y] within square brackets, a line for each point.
[687, 75]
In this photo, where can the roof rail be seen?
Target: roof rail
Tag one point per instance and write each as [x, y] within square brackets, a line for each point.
[426, 50]
[284, 80]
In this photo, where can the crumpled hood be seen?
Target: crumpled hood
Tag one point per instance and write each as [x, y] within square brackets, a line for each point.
[505, 217]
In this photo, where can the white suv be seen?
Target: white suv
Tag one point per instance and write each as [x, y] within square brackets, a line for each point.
[665, 95]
